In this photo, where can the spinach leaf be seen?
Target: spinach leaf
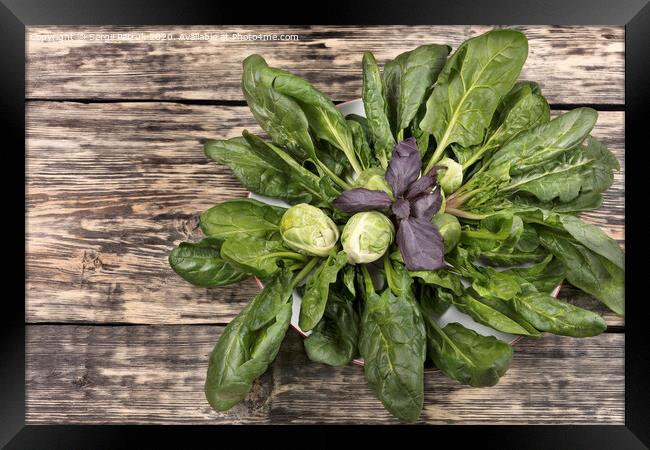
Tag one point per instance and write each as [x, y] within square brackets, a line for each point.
[257, 256]
[324, 119]
[550, 314]
[587, 270]
[374, 103]
[254, 173]
[349, 273]
[486, 315]
[520, 110]
[546, 142]
[242, 354]
[408, 79]
[470, 87]
[317, 290]
[505, 308]
[279, 115]
[442, 278]
[545, 275]
[570, 175]
[334, 340]
[361, 147]
[241, 218]
[594, 239]
[466, 356]
[201, 264]
[393, 346]
[281, 161]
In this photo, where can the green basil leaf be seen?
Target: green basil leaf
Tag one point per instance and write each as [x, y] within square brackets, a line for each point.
[201, 264]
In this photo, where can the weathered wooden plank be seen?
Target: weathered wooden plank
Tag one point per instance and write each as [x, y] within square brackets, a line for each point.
[572, 64]
[111, 188]
[155, 374]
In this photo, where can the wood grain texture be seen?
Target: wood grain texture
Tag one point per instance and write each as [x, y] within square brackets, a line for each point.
[111, 188]
[155, 374]
[572, 64]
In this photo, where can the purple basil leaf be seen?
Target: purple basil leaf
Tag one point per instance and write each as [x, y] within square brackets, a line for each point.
[362, 199]
[424, 184]
[420, 244]
[426, 206]
[404, 166]
[401, 208]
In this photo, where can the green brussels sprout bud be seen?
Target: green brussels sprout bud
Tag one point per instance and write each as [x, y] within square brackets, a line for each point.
[449, 229]
[374, 179]
[307, 230]
[367, 236]
[450, 178]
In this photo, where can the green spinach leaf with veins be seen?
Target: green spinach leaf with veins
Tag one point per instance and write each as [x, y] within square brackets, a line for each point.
[257, 256]
[334, 340]
[241, 218]
[408, 79]
[201, 264]
[324, 118]
[243, 352]
[470, 87]
[317, 290]
[393, 346]
[279, 115]
[254, 173]
[374, 103]
[466, 356]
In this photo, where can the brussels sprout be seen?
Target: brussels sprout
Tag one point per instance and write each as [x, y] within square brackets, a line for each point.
[367, 236]
[450, 178]
[374, 179]
[449, 229]
[307, 230]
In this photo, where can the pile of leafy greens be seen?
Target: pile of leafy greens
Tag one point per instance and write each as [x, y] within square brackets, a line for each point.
[456, 188]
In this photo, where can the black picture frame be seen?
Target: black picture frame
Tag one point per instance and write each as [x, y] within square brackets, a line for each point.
[16, 14]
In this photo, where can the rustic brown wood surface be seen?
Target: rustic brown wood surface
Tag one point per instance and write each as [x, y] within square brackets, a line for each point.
[155, 374]
[112, 186]
[123, 183]
[572, 64]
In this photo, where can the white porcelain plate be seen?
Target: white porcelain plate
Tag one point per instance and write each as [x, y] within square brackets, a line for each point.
[451, 315]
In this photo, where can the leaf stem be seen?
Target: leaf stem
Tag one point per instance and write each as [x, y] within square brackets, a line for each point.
[367, 279]
[333, 176]
[304, 272]
[464, 214]
[388, 268]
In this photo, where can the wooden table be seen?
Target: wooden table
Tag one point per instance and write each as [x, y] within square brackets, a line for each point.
[116, 177]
